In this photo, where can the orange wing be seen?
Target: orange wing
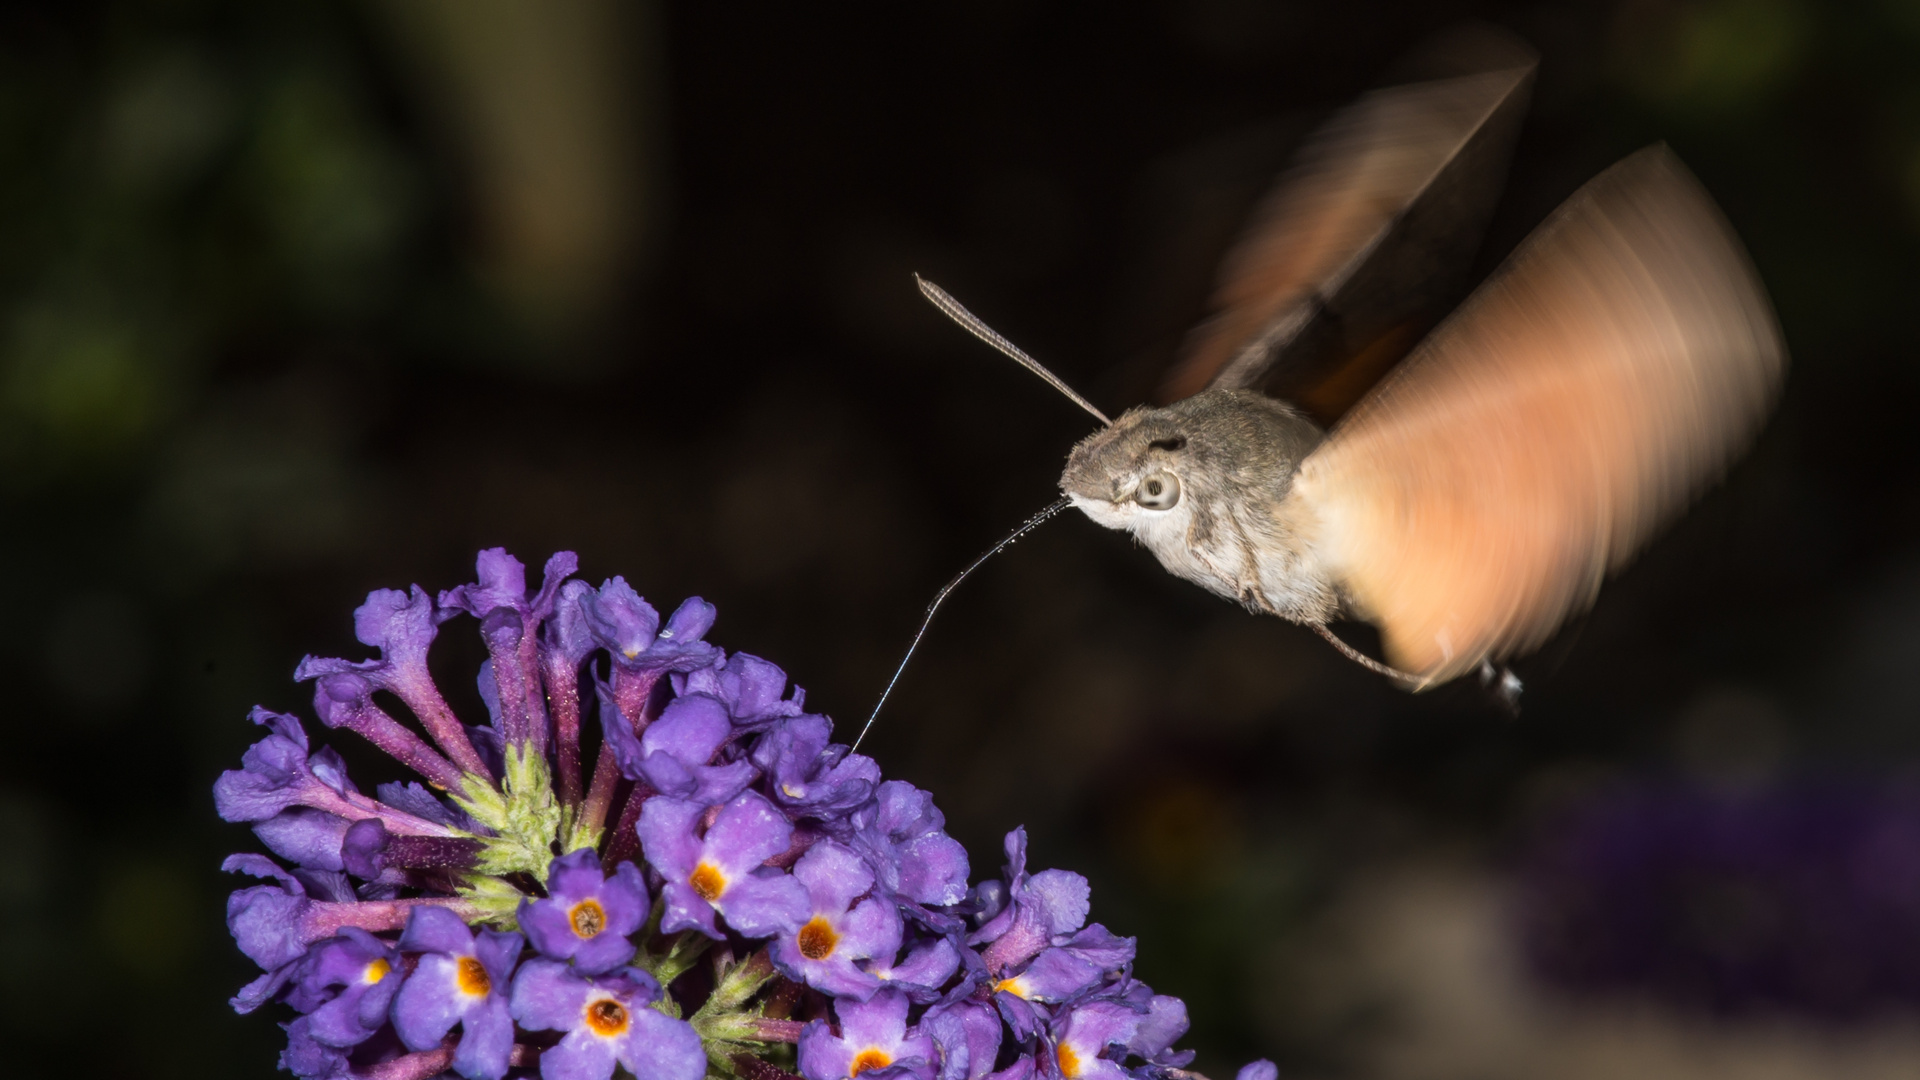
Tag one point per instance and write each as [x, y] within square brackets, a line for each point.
[1371, 227]
[1605, 373]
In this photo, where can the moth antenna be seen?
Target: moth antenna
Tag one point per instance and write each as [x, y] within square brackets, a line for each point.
[952, 309]
[1027, 527]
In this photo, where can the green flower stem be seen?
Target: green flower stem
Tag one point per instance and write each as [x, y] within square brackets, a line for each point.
[728, 1028]
[683, 951]
[497, 901]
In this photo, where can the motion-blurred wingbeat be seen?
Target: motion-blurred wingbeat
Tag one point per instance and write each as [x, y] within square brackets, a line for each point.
[1472, 499]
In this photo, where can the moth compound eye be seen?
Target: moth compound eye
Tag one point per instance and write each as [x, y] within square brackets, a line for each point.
[1158, 491]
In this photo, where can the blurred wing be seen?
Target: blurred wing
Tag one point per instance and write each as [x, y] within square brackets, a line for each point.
[1605, 373]
[1375, 225]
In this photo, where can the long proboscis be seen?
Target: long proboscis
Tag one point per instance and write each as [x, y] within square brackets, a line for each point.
[1028, 526]
[951, 309]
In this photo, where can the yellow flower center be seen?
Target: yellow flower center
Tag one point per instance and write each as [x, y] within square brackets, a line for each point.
[1069, 1061]
[606, 1017]
[871, 1058]
[708, 881]
[817, 939]
[587, 917]
[471, 976]
[1015, 986]
[377, 970]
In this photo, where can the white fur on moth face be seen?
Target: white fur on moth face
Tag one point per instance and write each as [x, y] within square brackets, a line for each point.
[1163, 532]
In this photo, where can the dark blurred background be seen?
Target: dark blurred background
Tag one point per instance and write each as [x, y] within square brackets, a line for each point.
[298, 300]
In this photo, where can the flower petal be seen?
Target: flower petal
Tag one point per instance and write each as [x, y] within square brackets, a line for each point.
[486, 1043]
[748, 832]
[582, 1055]
[431, 928]
[429, 1002]
[659, 1047]
[764, 904]
[666, 836]
[548, 997]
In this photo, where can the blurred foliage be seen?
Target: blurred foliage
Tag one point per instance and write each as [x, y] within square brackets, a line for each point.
[258, 356]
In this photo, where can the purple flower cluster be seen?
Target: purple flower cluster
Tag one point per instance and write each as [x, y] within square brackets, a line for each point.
[1798, 895]
[724, 892]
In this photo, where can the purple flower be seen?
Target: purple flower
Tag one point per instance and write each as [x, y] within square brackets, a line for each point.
[629, 629]
[606, 1018]
[901, 835]
[309, 1058]
[362, 966]
[1165, 1021]
[722, 872]
[873, 1039]
[368, 850]
[925, 970]
[1080, 1042]
[276, 773]
[274, 924]
[623, 623]
[1258, 1070]
[423, 804]
[750, 687]
[402, 626]
[509, 624]
[710, 774]
[809, 776]
[1820, 874]
[344, 699]
[1043, 909]
[306, 837]
[1023, 1068]
[565, 643]
[848, 924]
[1066, 970]
[967, 1033]
[568, 634]
[586, 915]
[461, 979]
[675, 751]
[1054, 975]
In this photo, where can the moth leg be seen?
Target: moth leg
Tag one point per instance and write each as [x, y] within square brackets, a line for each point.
[1504, 685]
[1412, 681]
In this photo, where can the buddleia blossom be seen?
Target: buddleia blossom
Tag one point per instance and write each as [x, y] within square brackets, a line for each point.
[723, 890]
[1709, 895]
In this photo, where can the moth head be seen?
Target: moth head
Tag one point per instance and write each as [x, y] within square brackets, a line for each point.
[1135, 474]
[1153, 469]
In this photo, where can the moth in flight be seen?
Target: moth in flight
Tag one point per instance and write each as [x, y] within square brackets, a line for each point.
[1472, 499]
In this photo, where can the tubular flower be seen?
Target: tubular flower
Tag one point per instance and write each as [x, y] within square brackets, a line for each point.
[722, 872]
[587, 916]
[460, 978]
[874, 1038]
[846, 925]
[717, 811]
[606, 1019]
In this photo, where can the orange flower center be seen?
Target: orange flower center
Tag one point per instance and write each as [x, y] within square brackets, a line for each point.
[708, 881]
[871, 1058]
[1069, 1061]
[588, 917]
[606, 1017]
[377, 970]
[817, 939]
[471, 975]
[1014, 986]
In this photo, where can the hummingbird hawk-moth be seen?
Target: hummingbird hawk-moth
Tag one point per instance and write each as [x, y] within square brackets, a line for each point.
[1472, 499]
